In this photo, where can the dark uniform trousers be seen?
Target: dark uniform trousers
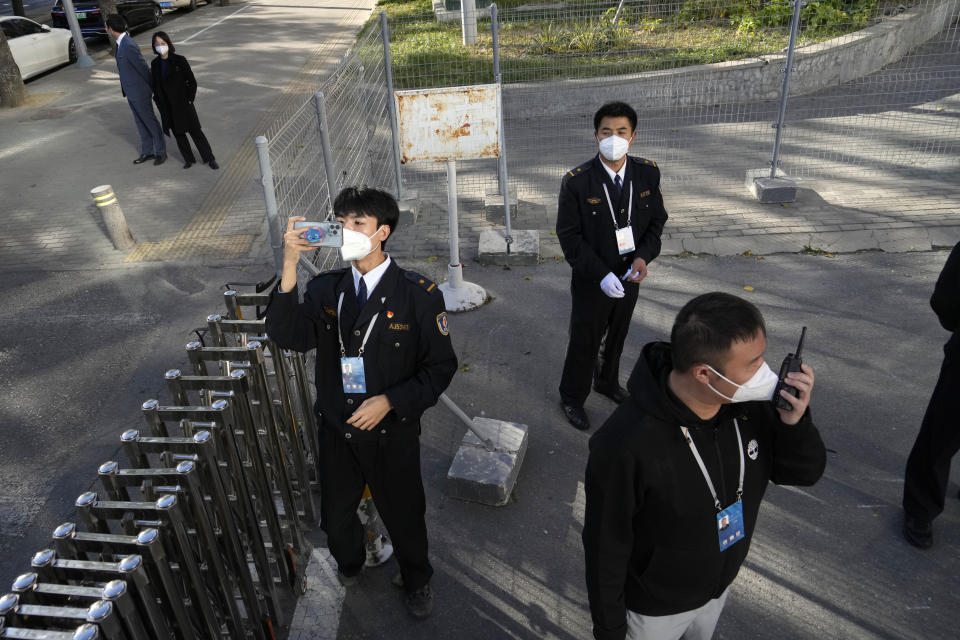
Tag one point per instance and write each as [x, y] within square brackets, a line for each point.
[928, 467]
[595, 320]
[391, 466]
[199, 139]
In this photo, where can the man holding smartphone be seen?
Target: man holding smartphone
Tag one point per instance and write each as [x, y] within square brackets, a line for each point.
[384, 356]
[609, 219]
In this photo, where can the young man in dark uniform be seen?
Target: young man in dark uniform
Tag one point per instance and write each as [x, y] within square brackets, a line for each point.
[609, 220]
[384, 356]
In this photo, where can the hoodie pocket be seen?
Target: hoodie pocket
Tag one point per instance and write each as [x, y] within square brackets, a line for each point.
[681, 578]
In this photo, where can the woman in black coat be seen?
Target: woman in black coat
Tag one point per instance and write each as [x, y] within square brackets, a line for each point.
[174, 89]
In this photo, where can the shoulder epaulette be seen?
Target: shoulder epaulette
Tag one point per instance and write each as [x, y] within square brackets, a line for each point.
[426, 283]
[586, 166]
[644, 161]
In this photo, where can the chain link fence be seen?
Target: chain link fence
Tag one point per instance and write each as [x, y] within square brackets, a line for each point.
[874, 87]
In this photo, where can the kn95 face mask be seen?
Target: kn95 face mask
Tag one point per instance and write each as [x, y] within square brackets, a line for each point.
[356, 245]
[614, 147]
[760, 386]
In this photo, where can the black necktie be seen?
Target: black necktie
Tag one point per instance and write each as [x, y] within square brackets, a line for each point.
[618, 184]
[362, 293]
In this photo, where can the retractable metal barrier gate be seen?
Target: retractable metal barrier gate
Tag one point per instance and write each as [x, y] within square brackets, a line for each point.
[200, 532]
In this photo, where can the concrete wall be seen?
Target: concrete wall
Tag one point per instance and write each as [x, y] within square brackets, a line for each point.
[815, 67]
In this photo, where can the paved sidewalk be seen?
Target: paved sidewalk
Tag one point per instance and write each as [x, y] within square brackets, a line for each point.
[253, 61]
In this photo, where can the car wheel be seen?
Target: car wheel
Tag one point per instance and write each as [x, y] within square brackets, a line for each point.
[157, 16]
[72, 51]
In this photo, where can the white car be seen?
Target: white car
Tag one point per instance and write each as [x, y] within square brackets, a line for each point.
[37, 47]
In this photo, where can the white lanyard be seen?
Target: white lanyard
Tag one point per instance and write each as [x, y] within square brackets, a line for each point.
[610, 204]
[696, 454]
[343, 349]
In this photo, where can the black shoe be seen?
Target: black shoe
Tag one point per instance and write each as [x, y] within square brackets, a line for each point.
[187, 165]
[618, 394]
[143, 158]
[420, 602]
[918, 532]
[576, 416]
[213, 164]
[160, 159]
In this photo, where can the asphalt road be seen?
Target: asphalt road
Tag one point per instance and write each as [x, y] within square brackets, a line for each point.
[83, 349]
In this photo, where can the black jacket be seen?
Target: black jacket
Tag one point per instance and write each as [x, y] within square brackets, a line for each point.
[409, 355]
[650, 530]
[946, 301]
[174, 93]
[584, 225]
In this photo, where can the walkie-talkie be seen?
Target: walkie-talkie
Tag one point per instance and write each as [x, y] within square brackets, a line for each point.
[790, 364]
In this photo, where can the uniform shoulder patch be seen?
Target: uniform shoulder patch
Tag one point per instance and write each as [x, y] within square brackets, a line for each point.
[442, 324]
[585, 167]
[644, 161]
[426, 283]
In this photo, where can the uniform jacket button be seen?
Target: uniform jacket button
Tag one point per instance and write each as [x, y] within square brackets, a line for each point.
[356, 333]
[348, 435]
[383, 431]
[349, 400]
[403, 419]
[396, 344]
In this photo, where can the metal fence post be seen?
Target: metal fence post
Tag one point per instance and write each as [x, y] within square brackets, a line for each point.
[468, 17]
[391, 101]
[785, 91]
[321, 106]
[270, 199]
[502, 160]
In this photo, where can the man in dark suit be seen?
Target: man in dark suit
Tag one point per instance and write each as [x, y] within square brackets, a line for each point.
[609, 220]
[136, 83]
[384, 356]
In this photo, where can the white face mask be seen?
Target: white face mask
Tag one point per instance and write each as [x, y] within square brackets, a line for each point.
[760, 386]
[162, 49]
[614, 147]
[356, 245]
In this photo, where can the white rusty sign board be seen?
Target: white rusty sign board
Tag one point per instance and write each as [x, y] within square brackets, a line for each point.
[453, 123]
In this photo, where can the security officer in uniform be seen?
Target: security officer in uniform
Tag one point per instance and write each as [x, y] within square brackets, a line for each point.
[384, 356]
[609, 220]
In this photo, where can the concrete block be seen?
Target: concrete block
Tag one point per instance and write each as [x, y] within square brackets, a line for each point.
[671, 246]
[700, 245]
[493, 206]
[752, 174]
[774, 190]
[779, 243]
[524, 250]
[409, 208]
[734, 245]
[488, 477]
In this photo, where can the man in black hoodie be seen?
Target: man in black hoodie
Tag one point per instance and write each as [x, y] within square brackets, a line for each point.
[676, 475]
[928, 467]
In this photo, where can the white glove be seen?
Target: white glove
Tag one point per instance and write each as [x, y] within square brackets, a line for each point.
[611, 286]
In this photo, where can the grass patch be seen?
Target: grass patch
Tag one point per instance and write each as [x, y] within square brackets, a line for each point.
[557, 45]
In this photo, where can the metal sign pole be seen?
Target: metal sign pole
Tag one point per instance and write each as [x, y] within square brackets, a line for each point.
[83, 59]
[458, 295]
[785, 91]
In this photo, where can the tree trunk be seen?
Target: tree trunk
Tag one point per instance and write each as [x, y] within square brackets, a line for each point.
[108, 8]
[18, 8]
[12, 92]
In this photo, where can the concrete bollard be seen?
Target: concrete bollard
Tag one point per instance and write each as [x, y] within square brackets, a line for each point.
[113, 217]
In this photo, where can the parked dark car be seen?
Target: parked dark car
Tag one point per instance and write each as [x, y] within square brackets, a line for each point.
[139, 14]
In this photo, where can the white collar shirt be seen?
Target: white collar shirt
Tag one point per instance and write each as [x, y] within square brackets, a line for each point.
[622, 173]
[370, 278]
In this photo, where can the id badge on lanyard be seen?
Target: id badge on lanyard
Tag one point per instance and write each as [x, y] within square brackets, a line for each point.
[624, 235]
[351, 369]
